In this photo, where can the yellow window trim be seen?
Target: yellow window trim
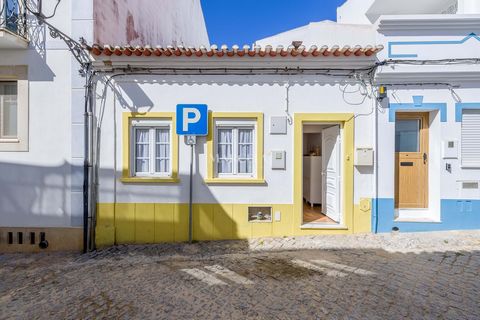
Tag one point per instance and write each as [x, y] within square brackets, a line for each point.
[346, 121]
[126, 169]
[255, 116]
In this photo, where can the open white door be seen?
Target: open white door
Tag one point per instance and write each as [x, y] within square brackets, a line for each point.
[331, 171]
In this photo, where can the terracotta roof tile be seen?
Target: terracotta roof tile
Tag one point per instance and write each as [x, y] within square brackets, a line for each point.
[225, 51]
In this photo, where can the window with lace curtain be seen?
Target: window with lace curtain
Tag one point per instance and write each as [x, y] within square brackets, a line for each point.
[152, 155]
[235, 148]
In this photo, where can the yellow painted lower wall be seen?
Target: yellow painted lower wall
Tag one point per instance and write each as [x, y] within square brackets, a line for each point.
[123, 223]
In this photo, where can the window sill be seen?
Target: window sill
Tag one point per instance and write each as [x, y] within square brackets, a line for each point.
[7, 140]
[260, 221]
[149, 180]
[234, 181]
[470, 167]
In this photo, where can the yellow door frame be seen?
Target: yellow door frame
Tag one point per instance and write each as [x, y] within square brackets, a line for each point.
[346, 121]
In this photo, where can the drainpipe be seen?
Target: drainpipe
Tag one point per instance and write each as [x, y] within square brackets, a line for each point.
[87, 164]
[375, 212]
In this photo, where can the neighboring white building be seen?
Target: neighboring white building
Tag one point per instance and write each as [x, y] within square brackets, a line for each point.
[435, 72]
[42, 101]
[368, 11]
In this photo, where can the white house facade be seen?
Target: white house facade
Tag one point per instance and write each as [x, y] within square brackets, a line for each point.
[273, 110]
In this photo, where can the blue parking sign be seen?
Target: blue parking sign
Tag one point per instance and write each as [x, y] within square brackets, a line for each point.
[192, 119]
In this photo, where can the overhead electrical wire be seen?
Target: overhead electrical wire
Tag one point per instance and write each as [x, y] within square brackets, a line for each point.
[39, 13]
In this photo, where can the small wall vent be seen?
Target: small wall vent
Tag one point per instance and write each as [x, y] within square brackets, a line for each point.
[21, 237]
[470, 185]
[468, 189]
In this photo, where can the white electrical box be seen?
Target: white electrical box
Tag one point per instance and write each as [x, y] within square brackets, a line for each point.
[278, 216]
[450, 149]
[364, 157]
[278, 159]
[278, 125]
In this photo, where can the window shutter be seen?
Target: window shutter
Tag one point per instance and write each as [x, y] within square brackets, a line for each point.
[471, 138]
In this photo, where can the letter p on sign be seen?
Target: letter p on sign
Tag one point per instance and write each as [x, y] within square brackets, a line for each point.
[192, 119]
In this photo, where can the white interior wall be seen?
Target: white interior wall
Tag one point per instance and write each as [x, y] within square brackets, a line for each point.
[311, 141]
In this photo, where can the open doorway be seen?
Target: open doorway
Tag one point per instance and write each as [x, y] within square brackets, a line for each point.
[321, 173]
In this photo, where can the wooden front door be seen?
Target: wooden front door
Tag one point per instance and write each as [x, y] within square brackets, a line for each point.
[411, 160]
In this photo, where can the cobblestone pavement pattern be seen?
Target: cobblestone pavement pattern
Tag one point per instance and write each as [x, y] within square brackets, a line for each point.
[393, 276]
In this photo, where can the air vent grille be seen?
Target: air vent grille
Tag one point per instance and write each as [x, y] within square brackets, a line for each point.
[470, 185]
[19, 237]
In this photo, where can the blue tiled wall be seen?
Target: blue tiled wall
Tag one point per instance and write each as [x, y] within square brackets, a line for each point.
[455, 215]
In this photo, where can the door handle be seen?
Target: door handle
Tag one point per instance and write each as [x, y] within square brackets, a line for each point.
[424, 158]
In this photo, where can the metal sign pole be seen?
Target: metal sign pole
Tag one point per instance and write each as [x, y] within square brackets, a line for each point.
[190, 205]
[191, 121]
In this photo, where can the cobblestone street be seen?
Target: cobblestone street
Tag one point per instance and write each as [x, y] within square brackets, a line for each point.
[391, 276]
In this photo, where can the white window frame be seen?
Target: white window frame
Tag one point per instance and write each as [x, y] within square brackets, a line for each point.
[235, 125]
[2, 109]
[462, 164]
[152, 126]
[18, 74]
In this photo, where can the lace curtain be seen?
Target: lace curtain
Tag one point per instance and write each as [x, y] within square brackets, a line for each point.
[142, 150]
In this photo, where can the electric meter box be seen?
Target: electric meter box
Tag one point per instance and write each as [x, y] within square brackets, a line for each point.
[278, 160]
[450, 149]
[364, 157]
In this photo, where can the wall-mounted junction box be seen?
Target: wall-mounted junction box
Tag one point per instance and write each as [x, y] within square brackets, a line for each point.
[278, 125]
[364, 157]
[450, 149]
[278, 160]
